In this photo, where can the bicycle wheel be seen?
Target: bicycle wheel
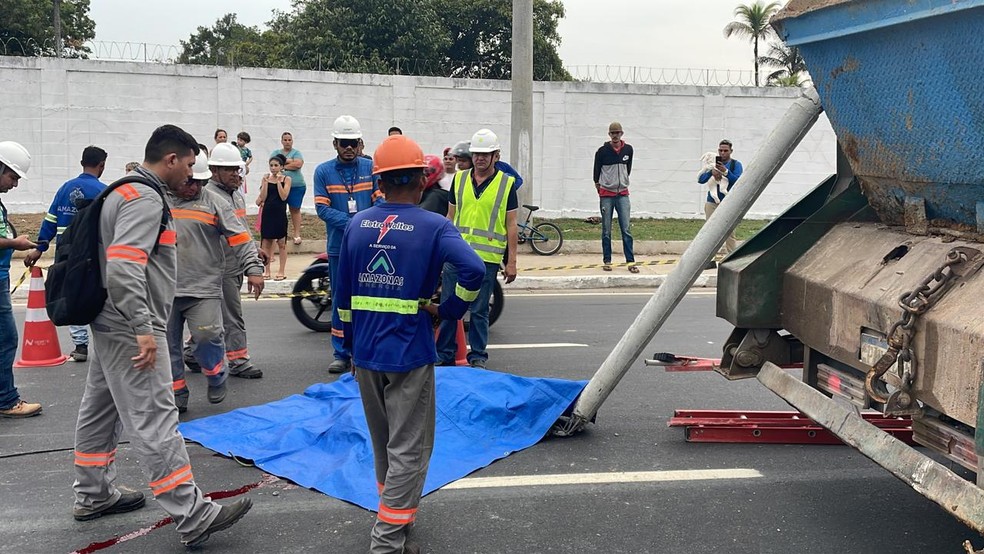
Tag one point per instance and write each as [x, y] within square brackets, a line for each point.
[546, 238]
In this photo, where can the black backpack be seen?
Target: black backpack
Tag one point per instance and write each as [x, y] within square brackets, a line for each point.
[74, 289]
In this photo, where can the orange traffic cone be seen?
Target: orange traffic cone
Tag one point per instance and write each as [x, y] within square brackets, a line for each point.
[461, 356]
[40, 347]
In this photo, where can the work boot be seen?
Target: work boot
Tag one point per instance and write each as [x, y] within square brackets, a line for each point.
[81, 353]
[190, 361]
[246, 371]
[340, 366]
[127, 502]
[411, 548]
[181, 400]
[216, 394]
[228, 516]
[21, 410]
[478, 363]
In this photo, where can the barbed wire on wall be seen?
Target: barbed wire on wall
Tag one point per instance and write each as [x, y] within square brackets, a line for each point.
[661, 75]
[170, 54]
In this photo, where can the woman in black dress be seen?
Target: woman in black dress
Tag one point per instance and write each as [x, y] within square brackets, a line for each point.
[272, 201]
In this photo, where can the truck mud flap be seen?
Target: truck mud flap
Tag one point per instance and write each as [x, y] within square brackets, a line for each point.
[960, 497]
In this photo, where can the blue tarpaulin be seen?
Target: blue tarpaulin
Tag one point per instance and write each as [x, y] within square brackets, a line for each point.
[320, 439]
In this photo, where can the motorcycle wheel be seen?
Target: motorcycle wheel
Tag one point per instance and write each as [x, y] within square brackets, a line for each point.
[496, 303]
[314, 312]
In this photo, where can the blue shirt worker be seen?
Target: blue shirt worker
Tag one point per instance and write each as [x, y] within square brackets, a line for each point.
[74, 194]
[723, 176]
[390, 261]
[15, 160]
[483, 206]
[343, 187]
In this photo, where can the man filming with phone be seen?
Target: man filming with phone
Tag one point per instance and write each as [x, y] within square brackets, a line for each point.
[722, 176]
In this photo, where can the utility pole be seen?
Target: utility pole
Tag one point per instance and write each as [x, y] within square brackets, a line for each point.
[58, 30]
[521, 138]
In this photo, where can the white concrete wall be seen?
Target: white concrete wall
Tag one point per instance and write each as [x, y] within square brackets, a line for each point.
[57, 107]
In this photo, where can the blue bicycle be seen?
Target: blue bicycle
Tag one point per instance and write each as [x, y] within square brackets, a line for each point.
[545, 238]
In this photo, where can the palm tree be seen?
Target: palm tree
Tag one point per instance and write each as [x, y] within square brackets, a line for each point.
[792, 80]
[753, 22]
[787, 60]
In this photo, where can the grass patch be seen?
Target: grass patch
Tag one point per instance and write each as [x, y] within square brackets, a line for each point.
[651, 229]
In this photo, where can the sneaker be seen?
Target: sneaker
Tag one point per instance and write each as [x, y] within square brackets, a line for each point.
[247, 372]
[228, 516]
[127, 502]
[81, 353]
[216, 394]
[340, 366]
[21, 409]
[478, 362]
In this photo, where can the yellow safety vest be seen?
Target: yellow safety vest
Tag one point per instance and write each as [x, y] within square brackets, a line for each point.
[482, 221]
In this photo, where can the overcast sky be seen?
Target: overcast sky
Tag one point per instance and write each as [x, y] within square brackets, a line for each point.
[648, 33]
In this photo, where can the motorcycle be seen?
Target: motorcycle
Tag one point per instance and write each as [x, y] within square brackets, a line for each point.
[311, 300]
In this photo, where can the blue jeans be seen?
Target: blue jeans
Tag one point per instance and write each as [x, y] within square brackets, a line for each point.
[478, 327]
[337, 343]
[80, 334]
[621, 206]
[8, 348]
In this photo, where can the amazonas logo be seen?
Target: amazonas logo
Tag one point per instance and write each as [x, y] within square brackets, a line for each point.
[381, 271]
[381, 261]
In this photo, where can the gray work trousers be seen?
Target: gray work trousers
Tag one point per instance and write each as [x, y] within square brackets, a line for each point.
[204, 318]
[732, 242]
[235, 325]
[119, 398]
[400, 412]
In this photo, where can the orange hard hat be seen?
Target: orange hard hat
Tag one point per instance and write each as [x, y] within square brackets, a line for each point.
[397, 152]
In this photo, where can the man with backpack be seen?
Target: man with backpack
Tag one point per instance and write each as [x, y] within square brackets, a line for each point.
[74, 194]
[207, 226]
[15, 160]
[128, 386]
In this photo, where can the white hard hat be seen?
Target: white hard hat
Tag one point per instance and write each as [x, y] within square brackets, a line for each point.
[225, 155]
[16, 157]
[200, 171]
[346, 127]
[484, 141]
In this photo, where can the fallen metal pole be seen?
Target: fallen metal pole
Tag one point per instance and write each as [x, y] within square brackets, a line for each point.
[774, 151]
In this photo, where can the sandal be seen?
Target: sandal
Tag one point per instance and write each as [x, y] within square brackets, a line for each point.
[607, 267]
[297, 240]
[633, 269]
[279, 277]
[266, 276]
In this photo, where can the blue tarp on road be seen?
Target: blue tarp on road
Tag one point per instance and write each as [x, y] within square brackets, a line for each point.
[320, 439]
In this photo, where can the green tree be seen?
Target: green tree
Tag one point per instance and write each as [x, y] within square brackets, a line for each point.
[27, 28]
[788, 61]
[461, 38]
[752, 21]
[229, 42]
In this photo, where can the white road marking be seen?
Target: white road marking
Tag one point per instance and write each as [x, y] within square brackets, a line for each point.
[534, 345]
[601, 478]
[511, 293]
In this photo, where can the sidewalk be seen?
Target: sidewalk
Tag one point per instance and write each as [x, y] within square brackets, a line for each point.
[579, 269]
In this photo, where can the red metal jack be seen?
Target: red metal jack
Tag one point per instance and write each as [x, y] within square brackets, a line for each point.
[773, 427]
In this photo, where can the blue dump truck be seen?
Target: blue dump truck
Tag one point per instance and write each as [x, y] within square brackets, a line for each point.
[873, 280]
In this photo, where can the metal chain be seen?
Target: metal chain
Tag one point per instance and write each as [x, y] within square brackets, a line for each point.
[914, 304]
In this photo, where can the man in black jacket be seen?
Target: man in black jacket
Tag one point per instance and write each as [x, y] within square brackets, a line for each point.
[612, 166]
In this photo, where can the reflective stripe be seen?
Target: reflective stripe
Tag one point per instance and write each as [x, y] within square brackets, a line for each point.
[50, 218]
[241, 238]
[94, 459]
[396, 517]
[194, 215]
[170, 482]
[237, 354]
[241, 213]
[465, 294]
[127, 192]
[128, 253]
[169, 238]
[322, 200]
[337, 333]
[214, 371]
[488, 248]
[385, 305]
[36, 315]
[342, 189]
[345, 315]
[179, 384]
[488, 235]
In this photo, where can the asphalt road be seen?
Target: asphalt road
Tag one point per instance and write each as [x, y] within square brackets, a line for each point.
[807, 499]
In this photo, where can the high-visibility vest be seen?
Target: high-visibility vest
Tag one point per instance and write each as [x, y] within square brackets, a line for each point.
[482, 221]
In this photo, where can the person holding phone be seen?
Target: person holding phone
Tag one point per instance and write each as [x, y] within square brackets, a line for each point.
[725, 174]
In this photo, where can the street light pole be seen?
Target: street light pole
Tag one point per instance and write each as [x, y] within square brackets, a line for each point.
[521, 137]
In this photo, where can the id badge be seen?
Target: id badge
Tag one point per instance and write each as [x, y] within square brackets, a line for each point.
[351, 206]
